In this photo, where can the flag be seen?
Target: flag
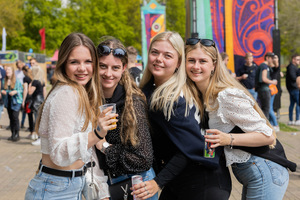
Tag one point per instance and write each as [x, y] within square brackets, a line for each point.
[43, 38]
[3, 39]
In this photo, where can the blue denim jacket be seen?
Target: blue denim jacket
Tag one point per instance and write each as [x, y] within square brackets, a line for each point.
[17, 99]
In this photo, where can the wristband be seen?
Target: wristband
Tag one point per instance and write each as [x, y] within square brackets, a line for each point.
[98, 136]
[231, 141]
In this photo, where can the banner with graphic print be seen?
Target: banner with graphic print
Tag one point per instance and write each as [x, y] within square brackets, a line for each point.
[153, 22]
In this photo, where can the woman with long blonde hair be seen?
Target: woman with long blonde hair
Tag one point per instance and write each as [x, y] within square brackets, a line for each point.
[182, 170]
[232, 109]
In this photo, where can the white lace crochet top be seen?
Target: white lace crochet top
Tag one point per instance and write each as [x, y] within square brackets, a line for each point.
[236, 109]
[61, 135]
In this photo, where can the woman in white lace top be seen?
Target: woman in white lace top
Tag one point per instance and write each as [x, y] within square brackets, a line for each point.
[65, 125]
[230, 105]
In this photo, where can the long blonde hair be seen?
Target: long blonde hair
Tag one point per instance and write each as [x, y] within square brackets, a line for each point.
[38, 74]
[12, 79]
[165, 95]
[219, 81]
[129, 129]
[90, 94]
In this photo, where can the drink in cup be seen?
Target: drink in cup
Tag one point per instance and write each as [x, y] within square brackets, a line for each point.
[113, 111]
[208, 151]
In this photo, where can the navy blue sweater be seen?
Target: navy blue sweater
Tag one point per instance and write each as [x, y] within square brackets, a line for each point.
[177, 142]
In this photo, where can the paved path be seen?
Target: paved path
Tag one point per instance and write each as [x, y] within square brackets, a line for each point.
[19, 161]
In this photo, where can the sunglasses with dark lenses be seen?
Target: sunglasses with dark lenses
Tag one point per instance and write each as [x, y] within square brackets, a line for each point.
[105, 50]
[205, 42]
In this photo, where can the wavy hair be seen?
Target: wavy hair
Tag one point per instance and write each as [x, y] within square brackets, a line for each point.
[12, 79]
[38, 74]
[27, 71]
[165, 95]
[219, 81]
[90, 94]
[128, 131]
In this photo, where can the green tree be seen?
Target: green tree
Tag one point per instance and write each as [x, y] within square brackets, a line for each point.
[289, 17]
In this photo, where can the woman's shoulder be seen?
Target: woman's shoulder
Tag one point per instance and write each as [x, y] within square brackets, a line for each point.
[234, 95]
[64, 91]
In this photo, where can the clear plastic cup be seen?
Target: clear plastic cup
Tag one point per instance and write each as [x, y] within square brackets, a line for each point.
[113, 111]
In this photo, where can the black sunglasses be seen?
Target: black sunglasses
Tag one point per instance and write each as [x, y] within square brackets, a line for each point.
[105, 50]
[205, 42]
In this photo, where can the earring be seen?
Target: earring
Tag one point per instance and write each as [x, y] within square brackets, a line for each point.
[212, 72]
[176, 70]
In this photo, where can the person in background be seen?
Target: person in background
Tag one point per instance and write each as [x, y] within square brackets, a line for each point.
[66, 126]
[248, 74]
[178, 141]
[274, 67]
[32, 62]
[225, 59]
[262, 81]
[230, 106]
[291, 85]
[27, 101]
[37, 91]
[12, 91]
[20, 76]
[134, 71]
[126, 150]
[2, 76]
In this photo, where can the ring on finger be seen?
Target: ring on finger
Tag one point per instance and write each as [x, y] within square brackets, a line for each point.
[145, 188]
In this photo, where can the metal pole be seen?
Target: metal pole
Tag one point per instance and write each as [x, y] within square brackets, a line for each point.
[194, 33]
[276, 14]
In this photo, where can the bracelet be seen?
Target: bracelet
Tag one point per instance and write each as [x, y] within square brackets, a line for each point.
[98, 136]
[231, 141]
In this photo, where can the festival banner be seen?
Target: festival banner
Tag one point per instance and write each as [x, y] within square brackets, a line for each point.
[43, 38]
[153, 22]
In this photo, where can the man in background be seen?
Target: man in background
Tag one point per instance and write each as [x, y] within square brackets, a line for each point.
[292, 88]
[132, 68]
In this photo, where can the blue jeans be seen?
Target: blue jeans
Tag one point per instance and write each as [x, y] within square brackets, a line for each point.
[272, 116]
[147, 176]
[294, 99]
[262, 179]
[47, 186]
[1, 109]
[253, 93]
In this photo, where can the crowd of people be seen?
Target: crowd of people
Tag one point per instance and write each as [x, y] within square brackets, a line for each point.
[185, 97]
[21, 88]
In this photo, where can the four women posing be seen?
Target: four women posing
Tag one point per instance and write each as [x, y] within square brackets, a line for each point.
[181, 87]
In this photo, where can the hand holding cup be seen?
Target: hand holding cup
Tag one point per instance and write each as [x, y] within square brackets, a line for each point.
[108, 117]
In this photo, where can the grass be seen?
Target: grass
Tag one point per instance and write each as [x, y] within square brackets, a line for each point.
[286, 128]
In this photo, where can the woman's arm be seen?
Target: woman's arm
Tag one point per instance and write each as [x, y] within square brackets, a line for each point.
[25, 91]
[31, 89]
[236, 108]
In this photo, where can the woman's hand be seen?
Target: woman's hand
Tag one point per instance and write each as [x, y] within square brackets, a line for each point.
[105, 121]
[145, 189]
[3, 92]
[218, 138]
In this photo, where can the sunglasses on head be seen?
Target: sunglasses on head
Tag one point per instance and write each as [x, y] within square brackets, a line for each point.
[105, 50]
[204, 42]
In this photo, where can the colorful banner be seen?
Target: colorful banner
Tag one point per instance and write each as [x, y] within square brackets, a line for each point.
[240, 26]
[43, 38]
[153, 22]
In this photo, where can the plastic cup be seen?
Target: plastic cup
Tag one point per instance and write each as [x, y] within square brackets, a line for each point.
[208, 151]
[113, 111]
